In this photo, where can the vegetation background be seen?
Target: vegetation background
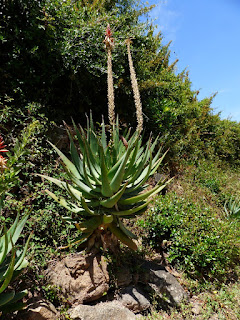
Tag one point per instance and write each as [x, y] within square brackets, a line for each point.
[53, 66]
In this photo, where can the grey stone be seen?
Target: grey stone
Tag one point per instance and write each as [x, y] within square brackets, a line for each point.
[163, 283]
[103, 311]
[81, 278]
[134, 299]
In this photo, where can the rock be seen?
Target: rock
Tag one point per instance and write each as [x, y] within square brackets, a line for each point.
[39, 310]
[197, 305]
[123, 277]
[134, 299]
[108, 310]
[163, 283]
[81, 278]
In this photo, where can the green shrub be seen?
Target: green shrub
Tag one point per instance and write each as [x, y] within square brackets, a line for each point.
[197, 240]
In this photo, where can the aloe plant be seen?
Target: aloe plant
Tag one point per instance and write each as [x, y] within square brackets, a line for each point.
[232, 208]
[107, 181]
[12, 262]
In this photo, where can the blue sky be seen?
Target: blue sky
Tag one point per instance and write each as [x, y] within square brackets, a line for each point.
[205, 38]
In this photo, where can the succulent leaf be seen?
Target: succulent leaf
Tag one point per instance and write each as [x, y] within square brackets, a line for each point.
[9, 272]
[118, 177]
[90, 225]
[6, 297]
[126, 231]
[68, 205]
[111, 202]
[105, 188]
[122, 236]
[143, 196]
[68, 164]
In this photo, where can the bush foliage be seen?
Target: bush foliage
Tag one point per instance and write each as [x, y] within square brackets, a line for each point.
[53, 53]
[197, 240]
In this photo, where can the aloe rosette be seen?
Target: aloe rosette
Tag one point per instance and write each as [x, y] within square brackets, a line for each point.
[12, 262]
[108, 180]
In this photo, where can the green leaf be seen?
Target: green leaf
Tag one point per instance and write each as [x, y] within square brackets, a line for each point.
[157, 163]
[80, 239]
[115, 229]
[90, 225]
[21, 261]
[15, 231]
[110, 202]
[74, 153]
[103, 136]
[79, 137]
[142, 163]
[107, 218]
[143, 196]
[84, 188]
[131, 211]
[86, 208]
[126, 231]
[3, 246]
[118, 177]
[9, 273]
[66, 204]
[68, 164]
[18, 296]
[92, 159]
[105, 188]
[6, 297]
[131, 166]
[142, 178]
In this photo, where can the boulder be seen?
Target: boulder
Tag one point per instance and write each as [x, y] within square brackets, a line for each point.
[107, 310]
[39, 309]
[162, 283]
[134, 299]
[80, 278]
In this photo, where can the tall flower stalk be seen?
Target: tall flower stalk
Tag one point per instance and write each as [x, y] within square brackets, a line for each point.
[109, 43]
[135, 88]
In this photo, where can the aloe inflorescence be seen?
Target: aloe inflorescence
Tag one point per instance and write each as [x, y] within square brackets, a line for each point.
[109, 44]
[107, 177]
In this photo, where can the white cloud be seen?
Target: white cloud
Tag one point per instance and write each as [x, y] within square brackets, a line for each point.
[167, 20]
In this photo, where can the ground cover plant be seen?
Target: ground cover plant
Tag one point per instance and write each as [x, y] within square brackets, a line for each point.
[197, 240]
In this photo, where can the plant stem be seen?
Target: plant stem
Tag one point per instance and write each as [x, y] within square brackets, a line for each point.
[136, 94]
